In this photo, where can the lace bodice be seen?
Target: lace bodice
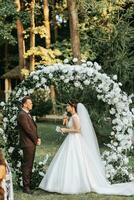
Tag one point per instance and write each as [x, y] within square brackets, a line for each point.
[74, 122]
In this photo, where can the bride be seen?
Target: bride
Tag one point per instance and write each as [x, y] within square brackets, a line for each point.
[77, 166]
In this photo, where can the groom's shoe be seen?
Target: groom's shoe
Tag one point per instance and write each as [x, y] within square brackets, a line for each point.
[27, 191]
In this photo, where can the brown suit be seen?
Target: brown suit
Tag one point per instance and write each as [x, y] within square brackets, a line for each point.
[28, 142]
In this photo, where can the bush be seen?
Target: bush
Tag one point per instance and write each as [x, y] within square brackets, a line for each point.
[42, 102]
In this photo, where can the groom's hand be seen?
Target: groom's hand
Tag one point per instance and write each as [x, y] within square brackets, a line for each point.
[39, 141]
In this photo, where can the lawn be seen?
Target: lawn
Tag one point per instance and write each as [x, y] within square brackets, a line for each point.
[50, 143]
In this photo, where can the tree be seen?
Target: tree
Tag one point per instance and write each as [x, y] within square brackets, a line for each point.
[32, 35]
[54, 20]
[21, 42]
[47, 23]
[74, 32]
[107, 35]
[7, 39]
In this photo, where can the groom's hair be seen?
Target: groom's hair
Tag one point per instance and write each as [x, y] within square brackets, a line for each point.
[25, 99]
[1, 193]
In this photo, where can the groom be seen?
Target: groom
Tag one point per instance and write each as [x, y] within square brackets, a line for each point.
[28, 141]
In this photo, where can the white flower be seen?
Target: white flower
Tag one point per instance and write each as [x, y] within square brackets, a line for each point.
[5, 119]
[115, 77]
[89, 63]
[19, 164]
[126, 160]
[33, 169]
[1, 131]
[77, 77]
[112, 133]
[66, 61]
[41, 174]
[10, 150]
[2, 104]
[132, 110]
[120, 84]
[37, 85]
[64, 70]
[50, 75]
[43, 80]
[35, 77]
[71, 78]
[125, 120]
[30, 91]
[97, 66]
[119, 149]
[86, 82]
[115, 144]
[90, 72]
[75, 60]
[115, 100]
[77, 84]
[21, 183]
[130, 131]
[120, 137]
[13, 118]
[25, 93]
[131, 176]
[84, 65]
[66, 80]
[112, 111]
[45, 159]
[62, 77]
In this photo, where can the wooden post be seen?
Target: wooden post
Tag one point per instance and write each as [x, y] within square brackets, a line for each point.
[53, 98]
[8, 88]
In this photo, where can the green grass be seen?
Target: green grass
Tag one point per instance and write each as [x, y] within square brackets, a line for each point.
[42, 195]
[50, 143]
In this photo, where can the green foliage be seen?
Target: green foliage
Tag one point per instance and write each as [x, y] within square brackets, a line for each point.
[43, 55]
[107, 31]
[7, 21]
[99, 112]
[65, 48]
[42, 103]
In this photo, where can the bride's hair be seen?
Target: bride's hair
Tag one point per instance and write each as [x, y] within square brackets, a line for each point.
[73, 104]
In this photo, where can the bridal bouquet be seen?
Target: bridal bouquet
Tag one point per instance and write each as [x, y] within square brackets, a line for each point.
[58, 129]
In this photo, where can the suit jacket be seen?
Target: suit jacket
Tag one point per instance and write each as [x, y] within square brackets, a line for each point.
[28, 130]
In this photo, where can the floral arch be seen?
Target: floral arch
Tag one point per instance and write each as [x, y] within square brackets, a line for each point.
[108, 90]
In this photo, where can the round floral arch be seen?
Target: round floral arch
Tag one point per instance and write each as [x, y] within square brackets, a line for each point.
[108, 90]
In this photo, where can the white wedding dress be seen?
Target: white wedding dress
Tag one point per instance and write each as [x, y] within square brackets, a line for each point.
[77, 166]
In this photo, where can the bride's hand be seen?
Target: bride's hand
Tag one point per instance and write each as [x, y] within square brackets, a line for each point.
[63, 130]
[65, 120]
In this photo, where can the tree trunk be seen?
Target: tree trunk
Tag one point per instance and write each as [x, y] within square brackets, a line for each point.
[55, 22]
[53, 98]
[20, 35]
[6, 57]
[73, 21]
[32, 36]
[48, 43]
[47, 23]
[21, 43]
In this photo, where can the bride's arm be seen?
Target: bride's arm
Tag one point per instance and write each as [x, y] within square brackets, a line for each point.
[75, 127]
